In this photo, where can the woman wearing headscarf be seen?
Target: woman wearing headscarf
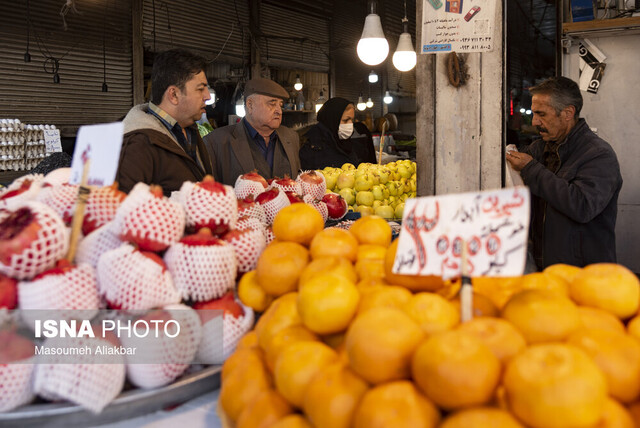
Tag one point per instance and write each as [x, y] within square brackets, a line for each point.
[330, 142]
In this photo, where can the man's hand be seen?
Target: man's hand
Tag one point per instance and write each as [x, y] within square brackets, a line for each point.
[518, 160]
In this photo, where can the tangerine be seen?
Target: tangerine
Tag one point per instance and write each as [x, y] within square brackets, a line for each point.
[615, 416]
[482, 306]
[498, 289]
[337, 265]
[599, 318]
[267, 408]
[241, 387]
[282, 313]
[633, 327]
[544, 281]
[334, 242]
[432, 312]
[373, 230]
[412, 282]
[566, 272]
[502, 338]
[279, 267]
[252, 294]
[390, 296]
[292, 421]
[283, 338]
[297, 223]
[481, 417]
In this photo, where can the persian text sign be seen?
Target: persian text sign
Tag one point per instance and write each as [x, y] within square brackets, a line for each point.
[101, 145]
[493, 225]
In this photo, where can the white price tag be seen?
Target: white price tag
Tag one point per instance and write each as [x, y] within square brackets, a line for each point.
[101, 145]
[493, 225]
[52, 141]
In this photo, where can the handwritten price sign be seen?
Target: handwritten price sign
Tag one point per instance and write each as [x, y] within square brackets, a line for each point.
[493, 225]
[101, 145]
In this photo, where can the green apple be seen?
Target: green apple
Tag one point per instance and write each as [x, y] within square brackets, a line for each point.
[399, 210]
[364, 198]
[376, 204]
[384, 211]
[345, 180]
[392, 187]
[349, 195]
[363, 183]
[404, 171]
[378, 192]
[348, 166]
[384, 175]
[331, 180]
[365, 210]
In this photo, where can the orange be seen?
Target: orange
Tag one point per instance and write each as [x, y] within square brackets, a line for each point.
[279, 267]
[395, 404]
[450, 289]
[267, 408]
[327, 303]
[283, 338]
[335, 341]
[334, 242]
[380, 343]
[292, 421]
[384, 296]
[488, 417]
[607, 286]
[566, 272]
[634, 410]
[498, 289]
[545, 281]
[412, 282]
[432, 312]
[242, 356]
[598, 318]
[370, 268]
[542, 316]
[249, 340]
[282, 313]
[251, 294]
[297, 223]
[369, 251]
[366, 283]
[297, 365]
[633, 327]
[618, 356]
[482, 306]
[555, 385]
[500, 336]
[372, 230]
[615, 416]
[455, 369]
[241, 386]
[336, 265]
[332, 396]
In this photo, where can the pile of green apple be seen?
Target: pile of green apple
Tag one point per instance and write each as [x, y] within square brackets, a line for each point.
[374, 189]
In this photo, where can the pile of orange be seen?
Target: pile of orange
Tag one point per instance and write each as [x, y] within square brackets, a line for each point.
[343, 342]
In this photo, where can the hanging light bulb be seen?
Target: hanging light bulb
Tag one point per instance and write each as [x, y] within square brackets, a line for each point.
[373, 47]
[404, 58]
[369, 103]
[361, 104]
[240, 112]
[211, 100]
[320, 101]
[373, 77]
[298, 85]
[387, 98]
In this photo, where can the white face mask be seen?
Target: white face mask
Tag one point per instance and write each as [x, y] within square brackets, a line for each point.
[345, 130]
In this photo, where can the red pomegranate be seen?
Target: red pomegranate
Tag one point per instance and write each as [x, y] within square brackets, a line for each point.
[313, 183]
[250, 183]
[209, 204]
[336, 205]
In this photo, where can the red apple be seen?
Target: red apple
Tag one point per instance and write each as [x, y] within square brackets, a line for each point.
[8, 292]
[226, 303]
[17, 232]
[293, 197]
[336, 205]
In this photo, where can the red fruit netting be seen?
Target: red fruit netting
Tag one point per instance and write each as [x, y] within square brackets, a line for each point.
[50, 245]
[272, 207]
[320, 206]
[101, 208]
[203, 207]
[269, 235]
[169, 357]
[87, 382]
[98, 242]
[215, 348]
[244, 188]
[295, 187]
[248, 248]
[202, 272]
[16, 387]
[57, 177]
[62, 199]
[255, 211]
[145, 216]
[75, 289]
[315, 190]
[250, 223]
[29, 195]
[129, 280]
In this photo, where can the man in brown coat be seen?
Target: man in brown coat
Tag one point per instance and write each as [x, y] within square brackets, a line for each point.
[161, 142]
[257, 142]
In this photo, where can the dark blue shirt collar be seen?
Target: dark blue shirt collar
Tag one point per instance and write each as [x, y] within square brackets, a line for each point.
[267, 151]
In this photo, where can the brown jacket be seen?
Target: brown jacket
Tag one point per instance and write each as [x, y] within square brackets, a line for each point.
[231, 154]
[151, 154]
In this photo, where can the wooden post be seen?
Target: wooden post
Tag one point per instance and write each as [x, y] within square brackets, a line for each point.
[78, 215]
[383, 125]
[466, 290]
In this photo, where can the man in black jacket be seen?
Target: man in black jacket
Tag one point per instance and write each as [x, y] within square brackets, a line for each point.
[574, 178]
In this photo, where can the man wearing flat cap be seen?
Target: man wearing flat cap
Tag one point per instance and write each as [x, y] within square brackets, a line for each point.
[257, 142]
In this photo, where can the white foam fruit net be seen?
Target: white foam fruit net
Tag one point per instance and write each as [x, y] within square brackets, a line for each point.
[269, 235]
[87, 382]
[202, 272]
[244, 188]
[170, 356]
[315, 190]
[220, 341]
[98, 242]
[101, 208]
[203, 207]
[57, 177]
[61, 198]
[50, 245]
[245, 223]
[144, 215]
[319, 206]
[11, 202]
[16, 385]
[256, 211]
[272, 207]
[73, 290]
[294, 187]
[248, 248]
[128, 279]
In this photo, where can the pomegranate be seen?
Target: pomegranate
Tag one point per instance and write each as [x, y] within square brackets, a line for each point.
[287, 184]
[312, 183]
[8, 292]
[272, 200]
[336, 205]
[249, 207]
[294, 197]
[16, 389]
[226, 303]
[101, 207]
[250, 183]
[209, 204]
[23, 189]
[248, 245]
[61, 198]
[320, 206]
[92, 246]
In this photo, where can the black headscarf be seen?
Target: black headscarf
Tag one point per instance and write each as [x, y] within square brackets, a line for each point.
[331, 113]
